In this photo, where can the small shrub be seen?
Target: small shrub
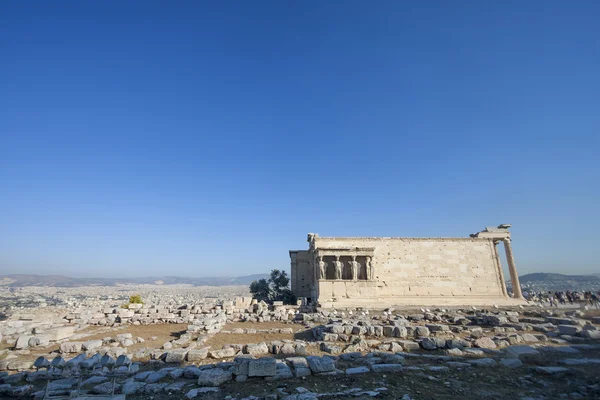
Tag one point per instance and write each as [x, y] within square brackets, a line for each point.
[135, 299]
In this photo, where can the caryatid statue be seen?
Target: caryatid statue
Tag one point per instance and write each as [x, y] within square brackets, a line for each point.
[322, 268]
[354, 267]
[338, 267]
[369, 268]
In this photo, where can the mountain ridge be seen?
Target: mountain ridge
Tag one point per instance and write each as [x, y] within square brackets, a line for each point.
[20, 280]
[555, 277]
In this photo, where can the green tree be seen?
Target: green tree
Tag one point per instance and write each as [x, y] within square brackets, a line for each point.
[279, 280]
[275, 289]
[261, 290]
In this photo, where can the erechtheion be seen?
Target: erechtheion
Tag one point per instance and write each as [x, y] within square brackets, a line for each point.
[378, 272]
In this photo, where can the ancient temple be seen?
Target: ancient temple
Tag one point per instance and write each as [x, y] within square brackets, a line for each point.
[379, 272]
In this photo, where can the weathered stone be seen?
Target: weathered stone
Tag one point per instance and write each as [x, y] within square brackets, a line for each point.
[283, 371]
[428, 344]
[223, 353]
[454, 352]
[93, 380]
[484, 362]
[438, 328]
[176, 373]
[528, 337]
[300, 366]
[511, 362]
[256, 350]
[214, 377]
[523, 353]
[71, 347]
[19, 365]
[395, 347]
[157, 376]
[387, 367]
[104, 388]
[553, 370]
[357, 370]
[91, 345]
[197, 354]
[330, 348]
[23, 342]
[457, 344]
[142, 375]
[571, 330]
[421, 331]
[409, 345]
[175, 387]
[320, 364]
[485, 343]
[176, 356]
[262, 367]
[287, 350]
[155, 388]
[59, 333]
[133, 387]
[591, 334]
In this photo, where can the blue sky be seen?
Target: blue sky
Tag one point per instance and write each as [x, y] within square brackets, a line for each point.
[205, 139]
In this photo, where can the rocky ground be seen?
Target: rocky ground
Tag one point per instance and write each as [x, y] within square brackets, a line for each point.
[243, 349]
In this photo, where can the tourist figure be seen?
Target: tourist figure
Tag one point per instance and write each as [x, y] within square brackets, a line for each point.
[338, 268]
[322, 268]
[595, 300]
[551, 300]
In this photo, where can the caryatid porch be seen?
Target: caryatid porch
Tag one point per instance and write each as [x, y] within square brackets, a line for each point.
[346, 263]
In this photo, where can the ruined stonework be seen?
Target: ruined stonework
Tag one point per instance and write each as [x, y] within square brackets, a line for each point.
[381, 272]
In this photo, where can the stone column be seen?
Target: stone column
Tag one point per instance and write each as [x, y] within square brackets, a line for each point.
[514, 276]
[499, 266]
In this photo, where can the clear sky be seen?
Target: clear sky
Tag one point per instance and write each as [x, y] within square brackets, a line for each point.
[207, 138]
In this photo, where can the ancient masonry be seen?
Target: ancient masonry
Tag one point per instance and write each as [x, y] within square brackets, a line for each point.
[381, 272]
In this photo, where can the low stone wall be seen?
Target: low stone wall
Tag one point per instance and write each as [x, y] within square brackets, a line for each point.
[97, 372]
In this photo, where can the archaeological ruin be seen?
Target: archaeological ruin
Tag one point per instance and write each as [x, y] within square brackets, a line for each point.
[380, 272]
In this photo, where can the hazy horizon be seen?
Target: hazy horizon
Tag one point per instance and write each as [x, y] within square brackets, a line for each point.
[208, 139]
[507, 277]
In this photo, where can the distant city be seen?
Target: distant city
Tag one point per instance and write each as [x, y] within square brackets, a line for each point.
[540, 282]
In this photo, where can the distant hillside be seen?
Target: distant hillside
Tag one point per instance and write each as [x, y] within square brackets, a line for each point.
[541, 277]
[17, 280]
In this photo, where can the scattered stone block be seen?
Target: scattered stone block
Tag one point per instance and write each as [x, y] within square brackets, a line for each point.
[570, 330]
[71, 347]
[262, 367]
[387, 367]
[214, 377]
[523, 353]
[197, 354]
[484, 362]
[176, 356]
[511, 362]
[357, 370]
[485, 343]
[223, 353]
[320, 365]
